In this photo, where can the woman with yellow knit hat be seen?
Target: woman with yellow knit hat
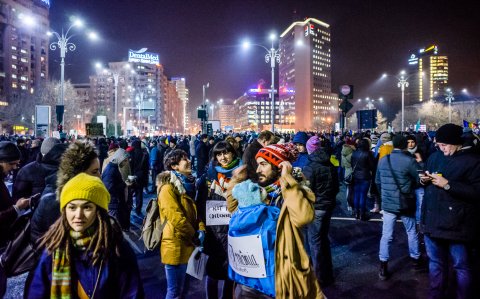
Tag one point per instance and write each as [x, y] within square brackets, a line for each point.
[85, 255]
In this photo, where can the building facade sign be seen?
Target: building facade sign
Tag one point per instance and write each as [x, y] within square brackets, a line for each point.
[143, 56]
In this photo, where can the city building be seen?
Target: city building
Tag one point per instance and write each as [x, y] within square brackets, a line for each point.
[183, 94]
[83, 107]
[140, 95]
[23, 56]
[427, 75]
[173, 110]
[226, 115]
[305, 75]
[253, 111]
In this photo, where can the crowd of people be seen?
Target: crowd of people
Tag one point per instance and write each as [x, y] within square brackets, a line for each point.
[274, 192]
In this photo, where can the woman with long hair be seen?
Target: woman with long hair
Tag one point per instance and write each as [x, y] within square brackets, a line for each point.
[224, 162]
[80, 156]
[364, 167]
[85, 255]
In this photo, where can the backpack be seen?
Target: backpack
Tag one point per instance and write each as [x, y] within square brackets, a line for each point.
[152, 228]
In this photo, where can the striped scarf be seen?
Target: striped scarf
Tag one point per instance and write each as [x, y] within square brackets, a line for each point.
[61, 274]
[274, 194]
[224, 175]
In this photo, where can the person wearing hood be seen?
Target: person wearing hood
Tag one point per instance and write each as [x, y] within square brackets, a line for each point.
[323, 178]
[72, 159]
[116, 186]
[386, 146]
[300, 140]
[30, 179]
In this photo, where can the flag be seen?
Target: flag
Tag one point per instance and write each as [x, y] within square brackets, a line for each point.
[417, 125]
[472, 125]
[465, 124]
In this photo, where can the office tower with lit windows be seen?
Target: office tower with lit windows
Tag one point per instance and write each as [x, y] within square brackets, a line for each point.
[305, 75]
[140, 95]
[427, 75]
[23, 56]
[183, 92]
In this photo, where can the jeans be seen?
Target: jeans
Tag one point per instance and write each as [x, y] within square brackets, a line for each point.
[244, 292]
[419, 192]
[360, 189]
[212, 288]
[177, 281]
[461, 254]
[387, 235]
[138, 199]
[318, 246]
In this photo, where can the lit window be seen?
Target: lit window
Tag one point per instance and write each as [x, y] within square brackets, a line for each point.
[14, 76]
[14, 56]
[14, 66]
[14, 85]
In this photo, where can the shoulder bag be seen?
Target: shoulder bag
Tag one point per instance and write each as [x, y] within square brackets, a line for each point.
[407, 200]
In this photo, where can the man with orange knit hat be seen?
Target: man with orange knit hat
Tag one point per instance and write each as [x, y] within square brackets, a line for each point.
[295, 207]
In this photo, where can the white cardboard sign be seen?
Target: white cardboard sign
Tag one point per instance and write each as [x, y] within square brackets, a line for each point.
[217, 213]
[245, 256]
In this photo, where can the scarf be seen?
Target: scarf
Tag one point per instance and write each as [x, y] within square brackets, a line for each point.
[188, 183]
[274, 194]
[413, 150]
[61, 273]
[227, 171]
[224, 174]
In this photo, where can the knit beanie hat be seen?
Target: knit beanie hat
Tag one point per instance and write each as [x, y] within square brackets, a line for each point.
[47, 144]
[449, 134]
[9, 152]
[85, 187]
[277, 153]
[119, 156]
[248, 193]
[386, 137]
[313, 144]
[300, 137]
[400, 142]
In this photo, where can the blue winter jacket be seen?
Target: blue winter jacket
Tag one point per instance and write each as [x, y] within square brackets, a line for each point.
[254, 220]
[120, 277]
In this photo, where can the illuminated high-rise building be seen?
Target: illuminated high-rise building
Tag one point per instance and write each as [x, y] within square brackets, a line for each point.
[428, 75]
[23, 55]
[182, 91]
[305, 75]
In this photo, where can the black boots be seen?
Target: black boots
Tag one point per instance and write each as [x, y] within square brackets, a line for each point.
[418, 265]
[383, 273]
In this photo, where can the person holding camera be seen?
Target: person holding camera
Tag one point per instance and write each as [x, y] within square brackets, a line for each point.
[184, 229]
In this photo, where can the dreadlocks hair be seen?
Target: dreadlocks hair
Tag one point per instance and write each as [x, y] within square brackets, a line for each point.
[106, 239]
[77, 158]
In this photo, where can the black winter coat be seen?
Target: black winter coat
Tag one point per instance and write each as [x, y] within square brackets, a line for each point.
[113, 181]
[364, 164]
[31, 178]
[249, 159]
[201, 154]
[47, 211]
[323, 178]
[453, 214]
[7, 212]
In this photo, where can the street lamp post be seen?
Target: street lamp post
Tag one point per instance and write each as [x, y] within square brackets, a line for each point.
[204, 125]
[64, 44]
[402, 83]
[272, 56]
[449, 98]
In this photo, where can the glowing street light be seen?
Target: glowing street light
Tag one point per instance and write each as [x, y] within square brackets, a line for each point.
[64, 44]
[272, 56]
[402, 83]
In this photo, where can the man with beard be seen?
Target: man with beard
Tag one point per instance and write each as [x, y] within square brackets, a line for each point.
[293, 273]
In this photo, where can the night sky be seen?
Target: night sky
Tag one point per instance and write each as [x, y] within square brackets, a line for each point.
[201, 40]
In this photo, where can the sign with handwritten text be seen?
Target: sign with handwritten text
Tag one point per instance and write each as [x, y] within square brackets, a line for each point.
[217, 213]
[245, 256]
